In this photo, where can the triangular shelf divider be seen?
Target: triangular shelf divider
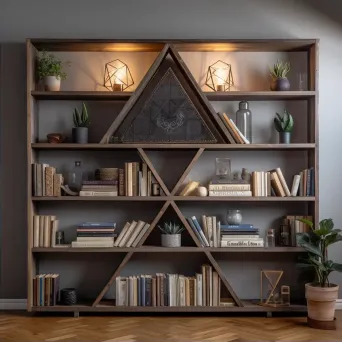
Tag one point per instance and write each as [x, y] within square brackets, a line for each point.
[190, 101]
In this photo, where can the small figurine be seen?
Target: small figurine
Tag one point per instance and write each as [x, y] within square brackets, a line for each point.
[245, 175]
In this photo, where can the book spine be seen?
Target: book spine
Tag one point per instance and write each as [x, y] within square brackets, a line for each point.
[200, 231]
[312, 187]
[39, 181]
[100, 182]
[121, 182]
[44, 166]
[97, 224]
[47, 231]
[295, 185]
[242, 243]
[233, 237]
[49, 180]
[130, 179]
[308, 183]
[148, 291]
[229, 129]
[98, 193]
[229, 187]
[57, 182]
[35, 242]
[195, 231]
[134, 180]
[230, 193]
[283, 182]
[241, 136]
[161, 281]
[237, 226]
[34, 179]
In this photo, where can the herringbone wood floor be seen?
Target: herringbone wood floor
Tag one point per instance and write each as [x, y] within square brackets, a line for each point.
[22, 327]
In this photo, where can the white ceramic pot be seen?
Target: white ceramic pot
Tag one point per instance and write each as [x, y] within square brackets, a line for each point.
[52, 83]
[171, 240]
[202, 191]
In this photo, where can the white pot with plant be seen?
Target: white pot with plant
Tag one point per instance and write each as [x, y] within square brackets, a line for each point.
[81, 123]
[284, 126]
[171, 234]
[50, 70]
[321, 295]
[279, 73]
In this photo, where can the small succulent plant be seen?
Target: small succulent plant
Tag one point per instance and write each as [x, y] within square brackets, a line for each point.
[81, 120]
[280, 69]
[284, 123]
[49, 65]
[171, 228]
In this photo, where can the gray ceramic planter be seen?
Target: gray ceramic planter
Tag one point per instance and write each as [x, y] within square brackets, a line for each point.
[80, 135]
[171, 240]
[285, 137]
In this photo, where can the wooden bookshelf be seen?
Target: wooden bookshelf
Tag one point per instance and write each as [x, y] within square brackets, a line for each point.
[170, 199]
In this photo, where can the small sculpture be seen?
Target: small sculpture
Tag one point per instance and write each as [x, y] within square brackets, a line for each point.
[245, 175]
[202, 191]
[236, 175]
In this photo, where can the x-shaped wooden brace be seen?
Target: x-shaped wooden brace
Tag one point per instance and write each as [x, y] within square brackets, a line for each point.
[155, 221]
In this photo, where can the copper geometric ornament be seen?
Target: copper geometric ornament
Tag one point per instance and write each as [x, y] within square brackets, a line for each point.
[220, 76]
[117, 76]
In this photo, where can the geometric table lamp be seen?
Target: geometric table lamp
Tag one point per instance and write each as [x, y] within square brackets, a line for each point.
[220, 76]
[117, 76]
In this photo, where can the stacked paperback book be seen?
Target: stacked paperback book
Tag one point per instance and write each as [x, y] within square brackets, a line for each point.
[242, 235]
[169, 289]
[238, 137]
[44, 230]
[45, 289]
[95, 234]
[131, 234]
[99, 188]
[221, 187]
[45, 180]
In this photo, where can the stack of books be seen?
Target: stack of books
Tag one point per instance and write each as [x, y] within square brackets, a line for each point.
[45, 180]
[99, 188]
[95, 234]
[45, 289]
[242, 235]
[131, 234]
[170, 289]
[293, 228]
[225, 188]
[238, 137]
[44, 231]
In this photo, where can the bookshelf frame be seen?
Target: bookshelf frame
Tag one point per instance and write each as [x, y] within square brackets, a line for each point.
[311, 46]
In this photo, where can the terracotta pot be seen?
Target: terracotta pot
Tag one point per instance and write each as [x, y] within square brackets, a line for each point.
[52, 83]
[321, 301]
[280, 84]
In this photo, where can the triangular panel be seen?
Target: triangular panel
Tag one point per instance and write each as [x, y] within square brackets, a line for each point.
[168, 106]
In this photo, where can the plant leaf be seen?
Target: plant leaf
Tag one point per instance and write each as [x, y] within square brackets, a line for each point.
[311, 249]
[336, 267]
[307, 222]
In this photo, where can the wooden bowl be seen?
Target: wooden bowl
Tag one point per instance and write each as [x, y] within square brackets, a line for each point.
[55, 138]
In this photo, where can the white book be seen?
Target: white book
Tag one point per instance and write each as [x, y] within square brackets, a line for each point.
[199, 289]
[128, 234]
[214, 231]
[181, 281]
[243, 243]
[210, 230]
[140, 225]
[122, 233]
[94, 244]
[262, 176]
[54, 229]
[41, 231]
[35, 242]
[47, 231]
[205, 227]
[295, 185]
[232, 193]
[141, 234]
[245, 140]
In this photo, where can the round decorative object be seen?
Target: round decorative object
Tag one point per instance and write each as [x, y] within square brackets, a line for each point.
[55, 138]
[234, 217]
[107, 174]
[68, 296]
[171, 240]
[52, 83]
[202, 191]
[280, 84]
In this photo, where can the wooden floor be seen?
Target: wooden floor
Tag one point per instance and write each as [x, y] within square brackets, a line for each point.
[23, 327]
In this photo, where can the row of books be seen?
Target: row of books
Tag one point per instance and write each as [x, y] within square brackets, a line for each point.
[95, 234]
[291, 227]
[236, 134]
[45, 180]
[242, 235]
[208, 233]
[131, 234]
[99, 188]
[306, 183]
[169, 289]
[44, 230]
[46, 289]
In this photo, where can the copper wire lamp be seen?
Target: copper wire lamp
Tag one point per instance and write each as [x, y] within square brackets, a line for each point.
[220, 76]
[117, 76]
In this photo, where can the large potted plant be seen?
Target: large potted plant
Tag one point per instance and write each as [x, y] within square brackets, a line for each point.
[279, 72]
[50, 70]
[321, 295]
[171, 234]
[81, 123]
[284, 126]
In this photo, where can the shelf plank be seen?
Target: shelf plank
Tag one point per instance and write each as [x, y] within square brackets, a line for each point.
[174, 198]
[212, 147]
[211, 96]
[159, 249]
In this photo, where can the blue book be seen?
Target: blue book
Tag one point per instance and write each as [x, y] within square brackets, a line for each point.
[98, 224]
[312, 185]
[200, 231]
[195, 231]
[143, 288]
[237, 226]
[41, 293]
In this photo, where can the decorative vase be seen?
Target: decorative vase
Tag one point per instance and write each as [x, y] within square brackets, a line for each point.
[75, 177]
[285, 137]
[171, 240]
[244, 120]
[321, 301]
[234, 217]
[80, 135]
[280, 84]
[68, 296]
[202, 191]
[52, 83]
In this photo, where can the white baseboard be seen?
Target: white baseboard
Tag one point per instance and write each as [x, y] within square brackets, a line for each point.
[13, 304]
[20, 304]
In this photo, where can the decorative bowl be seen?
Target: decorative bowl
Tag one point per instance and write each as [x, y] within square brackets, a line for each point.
[55, 138]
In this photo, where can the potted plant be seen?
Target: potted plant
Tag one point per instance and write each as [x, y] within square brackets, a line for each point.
[320, 294]
[81, 122]
[49, 69]
[284, 125]
[279, 79]
[171, 234]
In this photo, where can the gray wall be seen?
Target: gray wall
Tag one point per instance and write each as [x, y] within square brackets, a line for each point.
[153, 19]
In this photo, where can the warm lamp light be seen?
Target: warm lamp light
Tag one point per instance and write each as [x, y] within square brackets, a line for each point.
[117, 76]
[220, 76]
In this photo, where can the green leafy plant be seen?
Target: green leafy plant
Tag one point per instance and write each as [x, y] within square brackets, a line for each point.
[280, 69]
[284, 123]
[316, 243]
[49, 65]
[81, 120]
[171, 228]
